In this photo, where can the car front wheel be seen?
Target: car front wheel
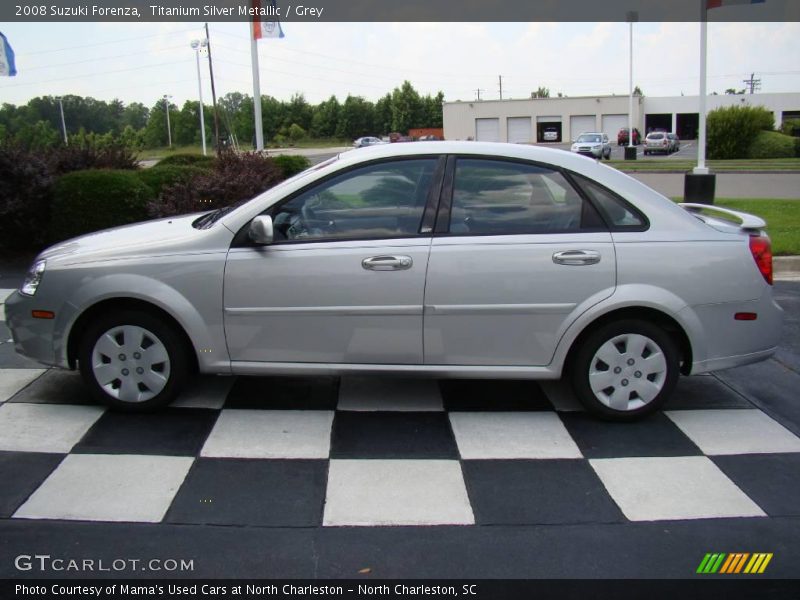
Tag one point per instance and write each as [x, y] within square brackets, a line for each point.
[625, 370]
[133, 361]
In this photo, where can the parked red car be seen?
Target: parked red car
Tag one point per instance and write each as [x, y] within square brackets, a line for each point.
[622, 137]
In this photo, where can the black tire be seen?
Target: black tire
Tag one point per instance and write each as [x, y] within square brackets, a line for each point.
[583, 361]
[176, 367]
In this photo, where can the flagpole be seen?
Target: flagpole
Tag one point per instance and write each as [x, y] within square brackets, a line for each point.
[700, 184]
[256, 89]
[701, 168]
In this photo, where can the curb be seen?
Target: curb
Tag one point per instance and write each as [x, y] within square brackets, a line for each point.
[786, 268]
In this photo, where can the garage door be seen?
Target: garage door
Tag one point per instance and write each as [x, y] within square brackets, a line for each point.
[579, 124]
[613, 123]
[487, 130]
[519, 130]
[553, 119]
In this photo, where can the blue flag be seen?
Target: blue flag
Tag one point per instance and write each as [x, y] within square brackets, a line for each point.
[7, 66]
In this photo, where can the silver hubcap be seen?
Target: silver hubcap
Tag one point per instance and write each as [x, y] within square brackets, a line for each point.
[627, 372]
[130, 363]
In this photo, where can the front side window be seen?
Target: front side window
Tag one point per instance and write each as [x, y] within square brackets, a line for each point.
[504, 198]
[382, 200]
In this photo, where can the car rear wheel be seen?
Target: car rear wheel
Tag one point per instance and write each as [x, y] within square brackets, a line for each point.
[625, 370]
[133, 361]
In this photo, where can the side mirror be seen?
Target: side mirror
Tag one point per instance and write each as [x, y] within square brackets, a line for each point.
[260, 230]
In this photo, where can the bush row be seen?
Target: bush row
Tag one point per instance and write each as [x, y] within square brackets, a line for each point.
[46, 201]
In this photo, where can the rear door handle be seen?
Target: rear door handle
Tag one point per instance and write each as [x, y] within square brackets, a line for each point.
[387, 263]
[576, 257]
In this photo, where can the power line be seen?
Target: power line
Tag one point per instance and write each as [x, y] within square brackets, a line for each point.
[118, 41]
[84, 75]
[97, 58]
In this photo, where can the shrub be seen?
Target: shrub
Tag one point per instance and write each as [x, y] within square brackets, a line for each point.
[162, 176]
[771, 144]
[91, 151]
[291, 165]
[197, 160]
[235, 179]
[85, 201]
[797, 147]
[731, 130]
[791, 127]
[25, 193]
[296, 133]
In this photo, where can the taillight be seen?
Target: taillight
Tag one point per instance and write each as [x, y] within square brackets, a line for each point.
[761, 249]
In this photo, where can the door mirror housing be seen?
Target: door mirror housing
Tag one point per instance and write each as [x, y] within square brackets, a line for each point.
[261, 231]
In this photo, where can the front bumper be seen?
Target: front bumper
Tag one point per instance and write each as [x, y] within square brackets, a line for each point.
[33, 338]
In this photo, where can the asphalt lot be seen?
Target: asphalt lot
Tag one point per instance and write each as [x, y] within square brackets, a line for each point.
[371, 478]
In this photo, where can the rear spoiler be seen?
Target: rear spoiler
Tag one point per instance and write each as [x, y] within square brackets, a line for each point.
[745, 221]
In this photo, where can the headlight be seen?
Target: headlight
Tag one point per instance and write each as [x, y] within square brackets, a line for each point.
[33, 278]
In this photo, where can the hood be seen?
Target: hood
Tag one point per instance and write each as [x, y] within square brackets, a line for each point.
[172, 235]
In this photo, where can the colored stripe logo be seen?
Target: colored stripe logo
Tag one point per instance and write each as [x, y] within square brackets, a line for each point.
[735, 562]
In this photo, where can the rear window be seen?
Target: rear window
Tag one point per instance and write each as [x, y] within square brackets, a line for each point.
[655, 136]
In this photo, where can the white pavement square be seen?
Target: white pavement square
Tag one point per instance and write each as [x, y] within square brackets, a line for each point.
[13, 380]
[396, 492]
[683, 487]
[206, 391]
[512, 435]
[93, 487]
[270, 434]
[376, 394]
[735, 431]
[44, 427]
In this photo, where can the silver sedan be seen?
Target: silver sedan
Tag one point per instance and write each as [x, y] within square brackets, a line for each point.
[461, 259]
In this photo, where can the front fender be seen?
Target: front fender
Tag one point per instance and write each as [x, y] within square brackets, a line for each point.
[202, 321]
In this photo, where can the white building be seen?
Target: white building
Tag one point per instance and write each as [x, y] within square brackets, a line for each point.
[525, 121]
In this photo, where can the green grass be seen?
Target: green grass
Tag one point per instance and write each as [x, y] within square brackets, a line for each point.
[159, 153]
[782, 217]
[720, 166]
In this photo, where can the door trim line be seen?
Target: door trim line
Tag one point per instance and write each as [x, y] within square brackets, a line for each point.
[348, 311]
[499, 309]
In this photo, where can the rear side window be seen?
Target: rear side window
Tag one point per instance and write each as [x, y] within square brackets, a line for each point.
[618, 213]
[492, 197]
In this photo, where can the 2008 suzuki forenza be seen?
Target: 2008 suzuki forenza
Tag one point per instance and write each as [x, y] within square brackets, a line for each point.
[457, 259]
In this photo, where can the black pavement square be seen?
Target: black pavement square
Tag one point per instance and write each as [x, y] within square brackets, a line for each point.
[284, 393]
[170, 432]
[702, 392]
[771, 480]
[275, 493]
[655, 435]
[21, 473]
[392, 435]
[56, 386]
[493, 395]
[524, 492]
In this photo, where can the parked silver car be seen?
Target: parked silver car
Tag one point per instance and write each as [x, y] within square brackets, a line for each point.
[657, 141]
[593, 144]
[363, 142]
[459, 259]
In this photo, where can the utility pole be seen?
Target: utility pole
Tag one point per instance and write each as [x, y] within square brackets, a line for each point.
[753, 83]
[166, 110]
[500, 81]
[63, 123]
[213, 91]
[478, 93]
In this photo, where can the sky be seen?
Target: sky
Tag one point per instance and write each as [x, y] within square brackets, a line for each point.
[143, 61]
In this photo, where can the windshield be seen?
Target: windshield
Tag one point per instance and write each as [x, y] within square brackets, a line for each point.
[593, 139]
[208, 219]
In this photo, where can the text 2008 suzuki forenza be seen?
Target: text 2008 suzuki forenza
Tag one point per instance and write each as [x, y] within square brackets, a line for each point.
[454, 259]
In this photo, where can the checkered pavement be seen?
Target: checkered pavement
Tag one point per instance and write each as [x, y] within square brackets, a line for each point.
[328, 452]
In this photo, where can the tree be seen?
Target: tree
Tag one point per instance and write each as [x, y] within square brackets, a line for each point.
[326, 118]
[541, 92]
[356, 118]
[637, 91]
[383, 115]
[407, 108]
[135, 115]
[734, 91]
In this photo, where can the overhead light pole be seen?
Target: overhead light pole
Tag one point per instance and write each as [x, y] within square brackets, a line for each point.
[166, 110]
[196, 45]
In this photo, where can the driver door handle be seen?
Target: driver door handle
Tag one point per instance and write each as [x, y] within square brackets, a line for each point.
[387, 263]
[576, 257]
